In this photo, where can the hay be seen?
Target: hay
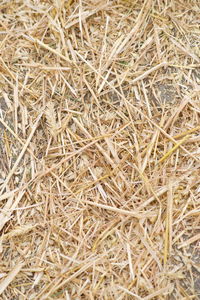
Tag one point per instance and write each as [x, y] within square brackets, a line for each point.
[99, 120]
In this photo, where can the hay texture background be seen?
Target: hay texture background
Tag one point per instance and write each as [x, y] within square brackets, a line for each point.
[100, 156]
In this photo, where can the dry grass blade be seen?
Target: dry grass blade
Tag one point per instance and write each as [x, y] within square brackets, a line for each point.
[10, 277]
[20, 155]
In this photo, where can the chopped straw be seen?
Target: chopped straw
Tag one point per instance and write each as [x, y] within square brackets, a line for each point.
[99, 142]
